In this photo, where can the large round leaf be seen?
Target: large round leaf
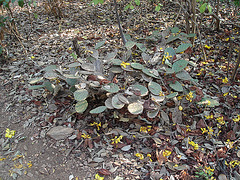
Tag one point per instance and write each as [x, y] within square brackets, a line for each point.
[123, 99]
[135, 108]
[172, 95]
[49, 86]
[158, 98]
[116, 103]
[179, 65]
[153, 114]
[150, 72]
[111, 87]
[176, 86]
[143, 89]
[80, 94]
[136, 66]
[98, 110]
[184, 75]
[182, 47]
[71, 82]
[154, 88]
[108, 103]
[81, 106]
[35, 80]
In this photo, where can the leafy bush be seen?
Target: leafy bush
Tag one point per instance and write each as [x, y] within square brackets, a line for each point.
[142, 87]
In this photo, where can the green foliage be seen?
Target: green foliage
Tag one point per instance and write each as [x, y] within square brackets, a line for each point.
[237, 2]
[143, 94]
[203, 173]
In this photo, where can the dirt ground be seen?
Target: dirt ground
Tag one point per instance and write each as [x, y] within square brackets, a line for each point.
[48, 160]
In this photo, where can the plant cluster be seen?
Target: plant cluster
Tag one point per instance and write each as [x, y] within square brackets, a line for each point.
[142, 87]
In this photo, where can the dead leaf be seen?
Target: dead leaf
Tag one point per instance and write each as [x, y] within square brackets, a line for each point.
[104, 172]
[160, 158]
[177, 116]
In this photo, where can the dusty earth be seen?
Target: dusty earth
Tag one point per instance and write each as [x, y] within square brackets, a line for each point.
[48, 40]
[46, 160]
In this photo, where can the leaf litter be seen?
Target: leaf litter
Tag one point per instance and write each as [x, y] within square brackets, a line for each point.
[170, 145]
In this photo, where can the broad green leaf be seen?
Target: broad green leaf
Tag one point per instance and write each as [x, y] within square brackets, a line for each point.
[35, 80]
[175, 30]
[203, 7]
[141, 47]
[100, 44]
[183, 75]
[49, 86]
[157, 8]
[172, 38]
[143, 89]
[50, 68]
[154, 88]
[116, 62]
[98, 110]
[210, 8]
[176, 86]
[169, 71]
[179, 65]
[36, 87]
[209, 102]
[73, 65]
[191, 35]
[81, 106]
[71, 82]
[182, 47]
[135, 108]
[111, 87]
[80, 94]
[149, 72]
[126, 7]
[137, 2]
[21, 3]
[131, 6]
[136, 66]
[172, 95]
[130, 44]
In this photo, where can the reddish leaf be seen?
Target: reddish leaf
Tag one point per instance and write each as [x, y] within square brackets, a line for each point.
[38, 103]
[201, 124]
[231, 135]
[104, 172]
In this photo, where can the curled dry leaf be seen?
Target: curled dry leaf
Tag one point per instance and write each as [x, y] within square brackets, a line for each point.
[104, 172]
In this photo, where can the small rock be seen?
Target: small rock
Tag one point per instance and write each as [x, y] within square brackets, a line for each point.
[25, 147]
[73, 137]
[60, 132]
[222, 177]
[29, 174]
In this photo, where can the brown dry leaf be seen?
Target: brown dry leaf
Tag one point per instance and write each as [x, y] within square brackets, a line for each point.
[161, 159]
[104, 172]
[231, 135]
[177, 116]
[157, 141]
[201, 124]
[189, 151]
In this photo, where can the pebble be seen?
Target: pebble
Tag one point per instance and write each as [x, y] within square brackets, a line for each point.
[60, 132]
